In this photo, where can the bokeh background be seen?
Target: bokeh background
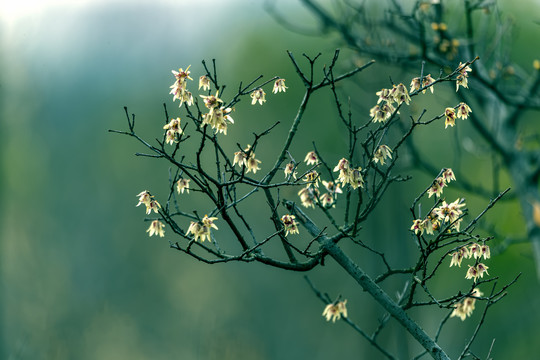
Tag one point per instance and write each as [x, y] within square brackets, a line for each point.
[80, 278]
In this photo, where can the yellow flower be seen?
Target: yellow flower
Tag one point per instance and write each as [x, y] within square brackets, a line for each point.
[308, 196]
[437, 187]
[211, 101]
[182, 75]
[204, 83]
[201, 230]
[182, 184]
[156, 228]
[384, 95]
[450, 115]
[448, 175]
[464, 308]
[418, 226]
[209, 221]
[217, 118]
[290, 225]
[173, 128]
[258, 95]
[400, 94]
[152, 206]
[327, 200]
[335, 311]
[463, 111]
[279, 85]
[311, 158]
[144, 198]
[382, 152]
[536, 64]
[332, 188]
[289, 170]
[252, 164]
[312, 177]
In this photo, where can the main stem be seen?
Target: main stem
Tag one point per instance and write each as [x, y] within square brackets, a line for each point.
[370, 286]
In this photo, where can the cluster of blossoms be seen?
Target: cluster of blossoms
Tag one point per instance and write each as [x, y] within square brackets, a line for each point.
[246, 158]
[173, 130]
[201, 229]
[417, 83]
[445, 213]
[335, 311]
[156, 227]
[450, 114]
[310, 194]
[348, 175]
[179, 88]
[258, 95]
[217, 116]
[382, 112]
[290, 225]
[440, 182]
[464, 308]
[475, 251]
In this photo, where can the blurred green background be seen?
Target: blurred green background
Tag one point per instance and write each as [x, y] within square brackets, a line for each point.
[80, 278]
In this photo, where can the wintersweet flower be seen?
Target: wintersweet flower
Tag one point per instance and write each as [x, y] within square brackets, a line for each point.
[457, 256]
[474, 250]
[342, 165]
[427, 81]
[332, 188]
[312, 177]
[463, 111]
[335, 311]
[182, 184]
[355, 178]
[416, 84]
[418, 226]
[211, 101]
[437, 187]
[308, 196]
[217, 118]
[384, 95]
[258, 95]
[279, 86]
[311, 158]
[182, 75]
[290, 225]
[472, 273]
[156, 228]
[448, 175]
[173, 128]
[289, 170]
[464, 308]
[252, 164]
[484, 250]
[431, 223]
[400, 94]
[481, 268]
[199, 231]
[240, 158]
[152, 206]
[204, 83]
[209, 222]
[450, 115]
[144, 198]
[382, 152]
[327, 200]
